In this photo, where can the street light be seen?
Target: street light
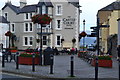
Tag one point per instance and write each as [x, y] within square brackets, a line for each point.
[84, 31]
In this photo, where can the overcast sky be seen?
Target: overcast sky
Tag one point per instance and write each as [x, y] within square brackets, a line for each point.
[89, 9]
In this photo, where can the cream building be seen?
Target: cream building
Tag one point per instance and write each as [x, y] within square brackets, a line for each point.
[108, 16]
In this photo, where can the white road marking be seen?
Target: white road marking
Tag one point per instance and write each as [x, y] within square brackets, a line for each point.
[16, 75]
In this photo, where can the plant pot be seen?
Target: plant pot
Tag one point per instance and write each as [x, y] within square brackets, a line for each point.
[27, 60]
[102, 63]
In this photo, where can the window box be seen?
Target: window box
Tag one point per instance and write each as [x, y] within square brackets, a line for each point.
[26, 58]
[102, 63]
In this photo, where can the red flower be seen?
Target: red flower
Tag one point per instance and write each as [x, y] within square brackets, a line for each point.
[41, 19]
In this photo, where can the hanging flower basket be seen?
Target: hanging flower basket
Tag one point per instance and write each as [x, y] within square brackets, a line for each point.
[83, 34]
[8, 33]
[37, 40]
[41, 19]
[73, 40]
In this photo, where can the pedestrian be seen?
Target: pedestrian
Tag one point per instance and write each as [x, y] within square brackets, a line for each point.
[73, 51]
[76, 51]
[56, 51]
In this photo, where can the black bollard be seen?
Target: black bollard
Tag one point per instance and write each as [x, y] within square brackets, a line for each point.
[96, 68]
[3, 59]
[40, 52]
[51, 64]
[118, 49]
[119, 69]
[33, 62]
[17, 60]
[72, 67]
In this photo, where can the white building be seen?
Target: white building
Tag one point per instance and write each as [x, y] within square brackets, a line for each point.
[65, 23]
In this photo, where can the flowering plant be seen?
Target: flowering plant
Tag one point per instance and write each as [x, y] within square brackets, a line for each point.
[8, 33]
[28, 55]
[82, 34]
[103, 57]
[41, 19]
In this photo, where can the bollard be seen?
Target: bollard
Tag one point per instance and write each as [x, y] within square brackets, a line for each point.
[40, 52]
[72, 67]
[96, 69]
[119, 69]
[3, 59]
[51, 64]
[33, 62]
[17, 60]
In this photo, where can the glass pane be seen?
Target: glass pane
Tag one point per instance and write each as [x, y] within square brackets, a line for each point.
[58, 37]
[30, 26]
[58, 23]
[26, 15]
[26, 40]
[44, 42]
[26, 27]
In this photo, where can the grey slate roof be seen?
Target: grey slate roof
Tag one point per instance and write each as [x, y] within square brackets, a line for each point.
[32, 8]
[48, 4]
[113, 6]
[14, 8]
[3, 20]
[28, 8]
[74, 2]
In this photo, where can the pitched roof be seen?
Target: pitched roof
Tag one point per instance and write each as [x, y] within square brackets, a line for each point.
[3, 20]
[32, 8]
[28, 8]
[14, 8]
[113, 6]
[48, 3]
[74, 2]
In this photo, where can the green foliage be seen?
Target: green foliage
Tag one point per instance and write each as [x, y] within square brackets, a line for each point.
[28, 55]
[103, 57]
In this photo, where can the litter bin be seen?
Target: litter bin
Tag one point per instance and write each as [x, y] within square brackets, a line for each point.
[47, 52]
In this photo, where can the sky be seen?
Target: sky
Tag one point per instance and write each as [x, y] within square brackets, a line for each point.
[89, 10]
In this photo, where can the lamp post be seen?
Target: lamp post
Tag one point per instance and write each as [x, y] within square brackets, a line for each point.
[96, 61]
[84, 31]
[41, 44]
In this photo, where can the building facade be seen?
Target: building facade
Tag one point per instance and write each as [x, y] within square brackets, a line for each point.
[65, 23]
[4, 27]
[108, 16]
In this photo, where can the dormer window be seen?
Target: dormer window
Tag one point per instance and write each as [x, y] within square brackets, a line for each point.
[43, 9]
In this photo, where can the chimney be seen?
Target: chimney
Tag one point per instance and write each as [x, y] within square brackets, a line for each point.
[22, 3]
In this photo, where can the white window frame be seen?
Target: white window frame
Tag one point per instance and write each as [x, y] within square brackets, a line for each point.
[11, 27]
[5, 16]
[43, 9]
[26, 16]
[58, 14]
[29, 16]
[56, 40]
[45, 40]
[28, 26]
[28, 42]
[57, 24]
